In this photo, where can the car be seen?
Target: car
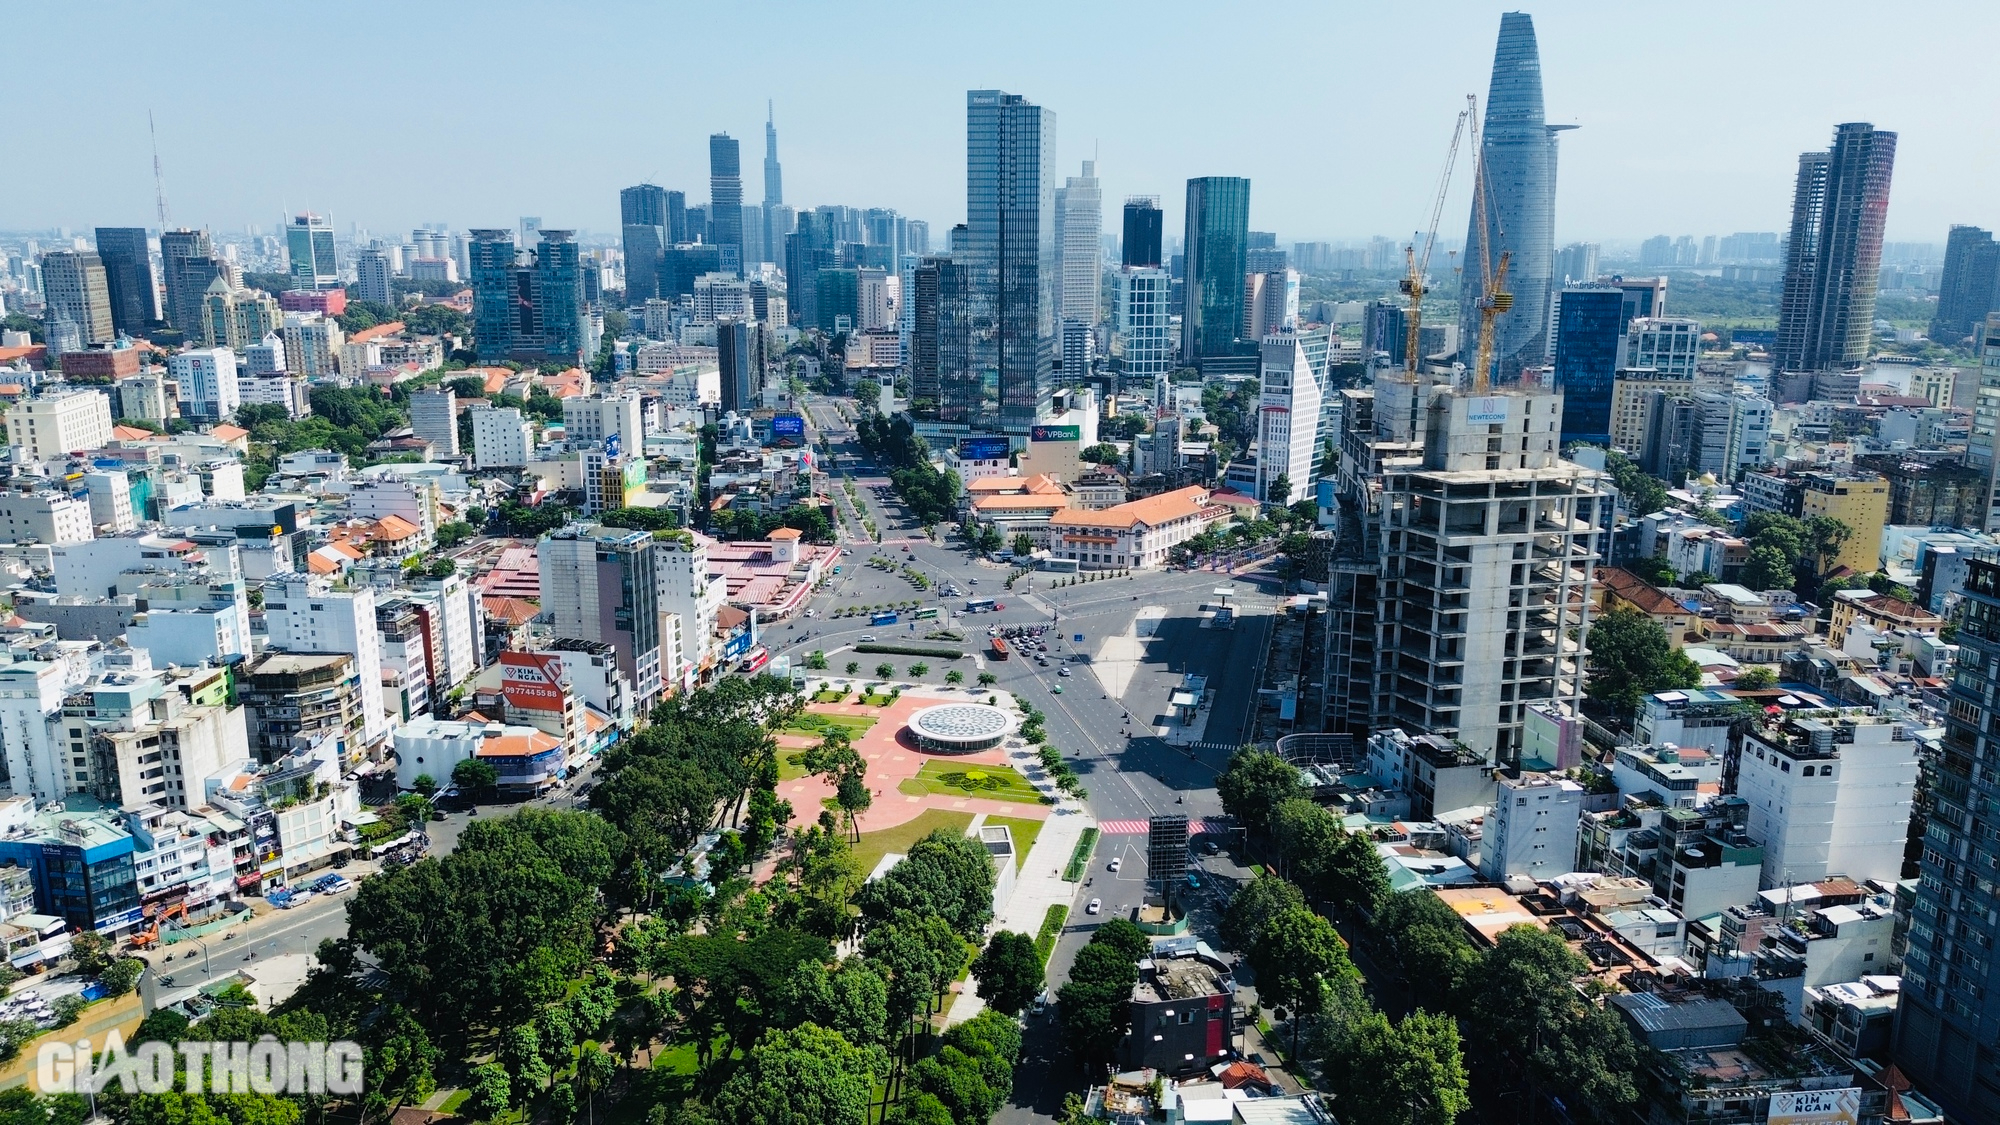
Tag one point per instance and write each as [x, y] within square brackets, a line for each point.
[1194, 881]
[974, 581]
[993, 630]
[1211, 847]
[337, 885]
[1096, 905]
[812, 613]
[867, 638]
[1116, 863]
[1064, 672]
[1040, 1005]
[1056, 689]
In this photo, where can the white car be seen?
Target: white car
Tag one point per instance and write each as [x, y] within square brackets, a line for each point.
[1117, 863]
[867, 638]
[1096, 905]
[1062, 671]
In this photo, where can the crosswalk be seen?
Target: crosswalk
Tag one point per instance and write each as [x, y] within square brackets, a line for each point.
[1138, 827]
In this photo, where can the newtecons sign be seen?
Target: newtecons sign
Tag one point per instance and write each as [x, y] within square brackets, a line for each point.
[531, 681]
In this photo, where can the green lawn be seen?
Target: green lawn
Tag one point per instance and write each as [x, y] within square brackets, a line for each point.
[829, 695]
[813, 725]
[874, 845]
[998, 783]
[790, 767]
[452, 1103]
[1025, 831]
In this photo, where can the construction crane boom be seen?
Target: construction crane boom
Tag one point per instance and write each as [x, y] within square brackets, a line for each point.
[1494, 298]
[159, 181]
[1418, 259]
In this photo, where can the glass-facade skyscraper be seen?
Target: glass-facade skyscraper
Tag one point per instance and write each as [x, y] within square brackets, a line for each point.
[1969, 289]
[643, 212]
[309, 241]
[1519, 152]
[1826, 312]
[1948, 1022]
[1590, 321]
[1009, 252]
[128, 272]
[725, 200]
[1218, 235]
[1143, 226]
[493, 318]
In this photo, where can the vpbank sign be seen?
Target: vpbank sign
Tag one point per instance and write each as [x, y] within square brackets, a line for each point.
[1055, 433]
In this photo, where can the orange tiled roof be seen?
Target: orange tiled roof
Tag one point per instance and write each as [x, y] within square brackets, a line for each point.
[122, 433]
[1016, 502]
[393, 526]
[376, 333]
[227, 432]
[787, 533]
[997, 484]
[511, 611]
[1641, 593]
[1152, 511]
[509, 745]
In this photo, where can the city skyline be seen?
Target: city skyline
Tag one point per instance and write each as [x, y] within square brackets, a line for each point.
[1395, 105]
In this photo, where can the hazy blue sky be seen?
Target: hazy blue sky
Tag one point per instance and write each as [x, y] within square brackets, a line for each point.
[390, 114]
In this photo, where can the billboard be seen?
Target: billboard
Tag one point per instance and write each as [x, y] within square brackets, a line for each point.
[1486, 411]
[788, 425]
[983, 448]
[1816, 1107]
[1055, 433]
[531, 680]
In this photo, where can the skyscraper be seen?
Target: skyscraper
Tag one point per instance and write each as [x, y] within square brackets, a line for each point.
[128, 273]
[1141, 244]
[774, 175]
[677, 219]
[1519, 152]
[1010, 252]
[371, 277]
[643, 212]
[1079, 230]
[808, 250]
[725, 200]
[74, 285]
[1590, 323]
[1951, 982]
[493, 297]
[1968, 291]
[737, 353]
[309, 241]
[601, 584]
[561, 317]
[940, 386]
[1218, 232]
[187, 266]
[1827, 310]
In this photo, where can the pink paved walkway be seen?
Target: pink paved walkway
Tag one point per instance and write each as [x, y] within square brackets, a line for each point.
[890, 763]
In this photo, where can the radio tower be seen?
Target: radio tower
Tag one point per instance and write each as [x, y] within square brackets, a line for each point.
[159, 181]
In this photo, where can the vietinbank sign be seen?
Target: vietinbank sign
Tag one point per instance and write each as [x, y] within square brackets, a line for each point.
[212, 1066]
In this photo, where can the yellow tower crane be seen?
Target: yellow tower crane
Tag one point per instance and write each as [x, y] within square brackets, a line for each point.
[1416, 258]
[1494, 298]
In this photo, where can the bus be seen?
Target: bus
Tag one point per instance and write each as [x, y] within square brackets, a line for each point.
[928, 613]
[754, 662]
[882, 619]
[999, 648]
[979, 605]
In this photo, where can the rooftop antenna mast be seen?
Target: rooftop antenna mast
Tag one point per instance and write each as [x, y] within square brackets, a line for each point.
[159, 181]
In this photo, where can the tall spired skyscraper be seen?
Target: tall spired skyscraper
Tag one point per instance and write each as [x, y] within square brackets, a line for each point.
[1519, 149]
[1009, 250]
[1079, 231]
[774, 176]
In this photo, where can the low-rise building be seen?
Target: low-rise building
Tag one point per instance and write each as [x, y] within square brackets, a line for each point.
[528, 760]
[1532, 828]
[1183, 1010]
[1830, 796]
[1139, 534]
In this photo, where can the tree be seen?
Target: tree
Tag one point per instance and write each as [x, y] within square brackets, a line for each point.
[1429, 940]
[491, 1092]
[884, 670]
[119, 977]
[817, 660]
[1631, 657]
[1298, 960]
[853, 666]
[475, 775]
[1824, 538]
[1655, 570]
[1023, 546]
[1103, 453]
[946, 874]
[1253, 905]
[91, 952]
[1253, 784]
[1279, 491]
[1409, 1072]
[1757, 677]
[425, 785]
[1009, 971]
[987, 679]
[1095, 1004]
[1768, 568]
[919, 670]
[1643, 493]
[807, 1075]
[954, 677]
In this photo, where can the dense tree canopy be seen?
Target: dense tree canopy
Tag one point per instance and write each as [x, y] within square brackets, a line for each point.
[1630, 657]
[1253, 785]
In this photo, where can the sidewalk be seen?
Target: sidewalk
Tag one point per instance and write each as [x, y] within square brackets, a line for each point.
[1038, 885]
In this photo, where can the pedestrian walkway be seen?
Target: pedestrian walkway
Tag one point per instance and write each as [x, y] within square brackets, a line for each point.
[1038, 885]
[1196, 827]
